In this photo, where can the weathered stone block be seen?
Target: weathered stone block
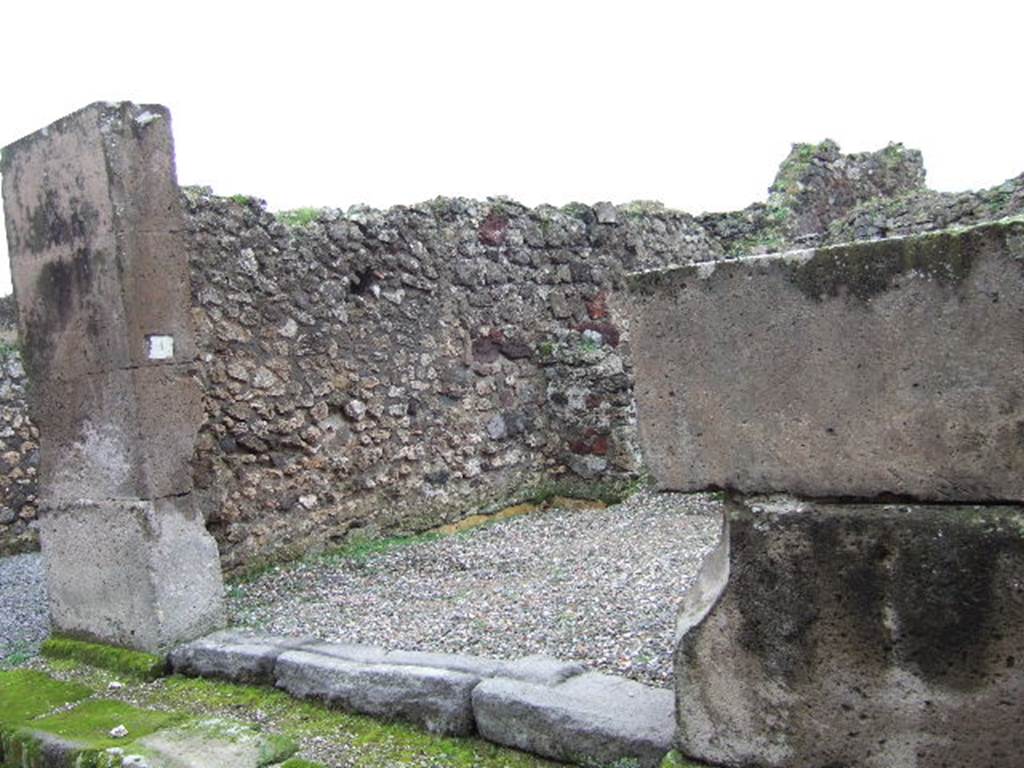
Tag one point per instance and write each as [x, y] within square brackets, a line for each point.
[142, 574]
[456, 662]
[890, 367]
[237, 656]
[540, 670]
[437, 699]
[96, 237]
[120, 434]
[210, 743]
[591, 719]
[874, 636]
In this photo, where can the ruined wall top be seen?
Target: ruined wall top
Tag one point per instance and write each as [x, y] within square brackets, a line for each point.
[380, 370]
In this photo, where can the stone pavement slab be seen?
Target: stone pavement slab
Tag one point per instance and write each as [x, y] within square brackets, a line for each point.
[590, 719]
[437, 699]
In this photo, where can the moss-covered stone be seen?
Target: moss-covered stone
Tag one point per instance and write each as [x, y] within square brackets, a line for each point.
[143, 665]
[90, 723]
[26, 693]
[80, 735]
[369, 743]
[215, 743]
[788, 180]
[865, 270]
[298, 762]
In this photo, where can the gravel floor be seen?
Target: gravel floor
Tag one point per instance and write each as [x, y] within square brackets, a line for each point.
[23, 620]
[597, 586]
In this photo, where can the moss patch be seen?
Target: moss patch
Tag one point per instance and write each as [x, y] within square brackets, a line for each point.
[298, 762]
[276, 748]
[25, 693]
[607, 493]
[136, 663]
[675, 760]
[299, 217]
[90, 723]
[372, 743]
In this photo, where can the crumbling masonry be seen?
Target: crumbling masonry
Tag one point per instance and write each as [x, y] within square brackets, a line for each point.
[364, 372]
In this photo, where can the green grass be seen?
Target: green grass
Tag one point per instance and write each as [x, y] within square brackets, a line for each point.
[25, 693]
[640, 208]
[136, 663]
[358, 550]
[674, 760]
[19, 654]
[298, 762]
[276, 748]
[610, 492]
[361, 550]
[299, 217]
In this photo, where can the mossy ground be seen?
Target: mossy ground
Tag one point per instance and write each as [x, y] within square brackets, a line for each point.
[26, 693]
[90, 722]
[358, 740]
[674, 760]
[366, 742]
[298, 762]
[135, 663]
[34, 706]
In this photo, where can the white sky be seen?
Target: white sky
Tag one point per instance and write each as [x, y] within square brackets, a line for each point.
[381, 102]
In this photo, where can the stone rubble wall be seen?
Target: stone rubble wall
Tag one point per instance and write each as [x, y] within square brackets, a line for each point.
[19, 443]
[371, 372]
[384, 371]
[19, 457]
[927, 211]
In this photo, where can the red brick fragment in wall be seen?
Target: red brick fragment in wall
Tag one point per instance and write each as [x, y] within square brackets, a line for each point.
[492, 229]
[592, 442]
[597, 307]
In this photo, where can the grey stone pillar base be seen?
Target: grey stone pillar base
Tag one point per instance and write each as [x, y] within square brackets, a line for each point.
[142, 574]
[856, 635]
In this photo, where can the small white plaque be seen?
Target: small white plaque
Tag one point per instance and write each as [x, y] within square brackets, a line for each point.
[160, 347]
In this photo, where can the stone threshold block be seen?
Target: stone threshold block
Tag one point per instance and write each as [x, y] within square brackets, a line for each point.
[892, 367]
[140, 574]
[590, 719]
[434, 698]
[241, 657]
[250, 657]
[536, 703]
[861, 635]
